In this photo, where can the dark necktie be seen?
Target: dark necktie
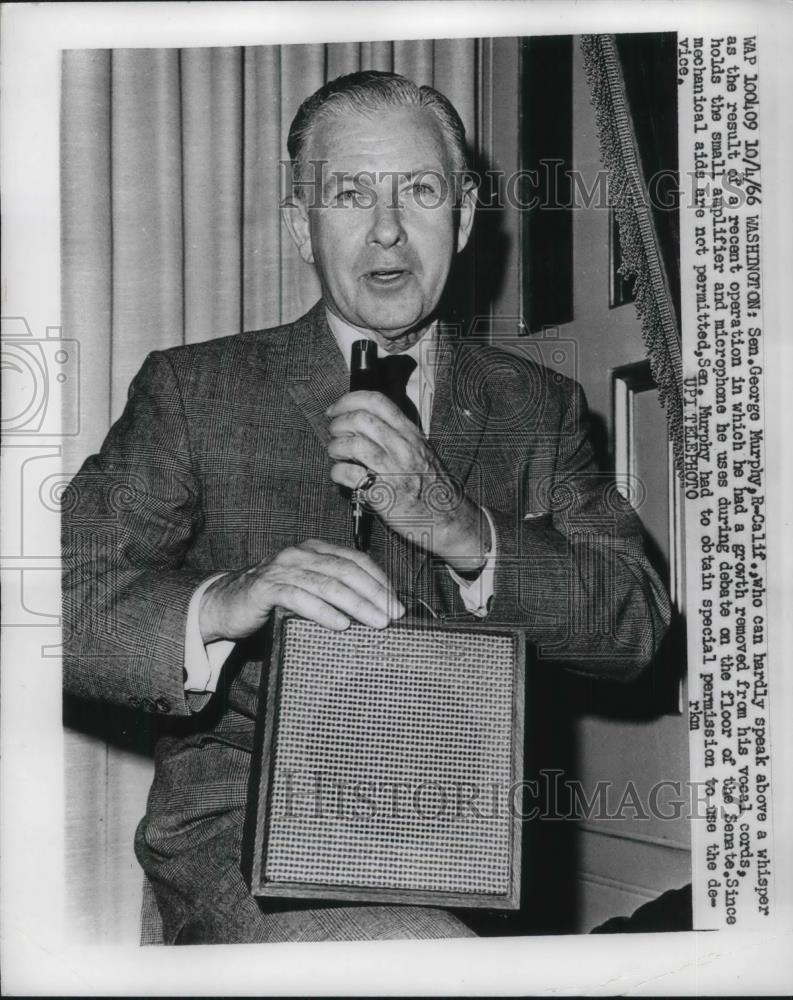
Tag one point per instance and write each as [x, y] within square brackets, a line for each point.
[395, 371]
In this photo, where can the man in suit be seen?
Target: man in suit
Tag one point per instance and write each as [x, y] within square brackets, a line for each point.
[216, 498]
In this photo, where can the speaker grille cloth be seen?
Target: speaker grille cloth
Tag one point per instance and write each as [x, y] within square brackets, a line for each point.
[390, 749]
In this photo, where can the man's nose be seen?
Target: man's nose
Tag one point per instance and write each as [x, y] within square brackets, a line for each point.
[386, 229]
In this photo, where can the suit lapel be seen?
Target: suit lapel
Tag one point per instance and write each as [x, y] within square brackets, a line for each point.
[458, 417]
[316, 373]
[456, 427]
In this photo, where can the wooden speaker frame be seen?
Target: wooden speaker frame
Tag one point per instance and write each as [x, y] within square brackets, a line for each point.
[258, 812]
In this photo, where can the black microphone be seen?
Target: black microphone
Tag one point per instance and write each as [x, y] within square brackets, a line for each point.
[363, 366]
[363, 376]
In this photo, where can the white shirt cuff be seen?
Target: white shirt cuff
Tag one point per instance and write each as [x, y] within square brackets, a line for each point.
[477, 594]
[202, 662]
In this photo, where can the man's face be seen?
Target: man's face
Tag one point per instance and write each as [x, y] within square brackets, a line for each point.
[383, 233]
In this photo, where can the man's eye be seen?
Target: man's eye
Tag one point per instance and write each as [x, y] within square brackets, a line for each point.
[424, 193]
[349, 197]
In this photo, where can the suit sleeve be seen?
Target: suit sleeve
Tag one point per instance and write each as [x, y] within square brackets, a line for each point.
[129, 516]
[572, 568]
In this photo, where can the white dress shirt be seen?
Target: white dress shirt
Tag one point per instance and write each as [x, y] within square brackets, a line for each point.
[203, 662]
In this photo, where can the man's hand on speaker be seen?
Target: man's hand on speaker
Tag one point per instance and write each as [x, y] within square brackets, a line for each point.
[325, 583]
[412, 490]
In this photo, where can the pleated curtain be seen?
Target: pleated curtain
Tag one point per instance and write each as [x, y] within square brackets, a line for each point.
[171, 181]
[170, 228]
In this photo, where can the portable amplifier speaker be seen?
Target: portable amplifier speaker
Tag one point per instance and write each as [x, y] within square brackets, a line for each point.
[386, 763]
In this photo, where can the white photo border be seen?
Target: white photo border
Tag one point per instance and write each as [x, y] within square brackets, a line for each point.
[35, 957]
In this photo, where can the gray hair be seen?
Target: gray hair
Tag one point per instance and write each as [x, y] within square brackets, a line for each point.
[368, 92]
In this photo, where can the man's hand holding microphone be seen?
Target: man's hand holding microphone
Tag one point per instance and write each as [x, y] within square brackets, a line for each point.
[371, 439]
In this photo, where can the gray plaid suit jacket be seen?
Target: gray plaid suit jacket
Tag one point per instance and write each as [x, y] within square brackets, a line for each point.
[219, 461]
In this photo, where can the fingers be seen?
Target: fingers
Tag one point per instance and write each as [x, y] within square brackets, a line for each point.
[361, 421]
[360, 450]
[374, 404]
[349, 475]
[318, 580]
[330, 602]
[313, 608]
[331, 586]
[361, 559]
[363, 437]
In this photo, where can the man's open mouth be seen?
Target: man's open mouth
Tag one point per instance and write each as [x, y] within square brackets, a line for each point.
[386, 276]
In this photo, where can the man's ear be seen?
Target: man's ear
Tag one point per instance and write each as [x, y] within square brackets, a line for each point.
[465, 214]
[295, 216]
